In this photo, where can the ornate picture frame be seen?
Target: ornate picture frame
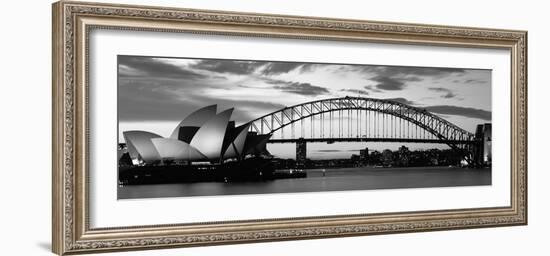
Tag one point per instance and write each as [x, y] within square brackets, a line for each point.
[72, 24]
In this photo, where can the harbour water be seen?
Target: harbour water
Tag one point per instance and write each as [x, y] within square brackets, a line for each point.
[361, 178]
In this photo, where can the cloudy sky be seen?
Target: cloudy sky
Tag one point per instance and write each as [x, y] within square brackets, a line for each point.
[155, 93]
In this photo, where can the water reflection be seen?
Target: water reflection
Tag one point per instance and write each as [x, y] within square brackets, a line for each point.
[332, 180]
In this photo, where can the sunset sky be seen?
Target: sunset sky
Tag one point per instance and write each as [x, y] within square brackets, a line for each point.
[155, 93]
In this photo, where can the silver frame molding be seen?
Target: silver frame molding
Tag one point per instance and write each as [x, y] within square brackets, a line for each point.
[72, 22]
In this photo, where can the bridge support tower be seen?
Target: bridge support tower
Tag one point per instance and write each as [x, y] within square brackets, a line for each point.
[482, 147]
[301, 153]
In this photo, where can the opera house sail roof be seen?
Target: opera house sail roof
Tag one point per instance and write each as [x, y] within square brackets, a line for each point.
[194, 121]
[140, 146]
[203, 136]
[209, 138]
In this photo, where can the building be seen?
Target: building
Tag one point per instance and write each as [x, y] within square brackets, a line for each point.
[203, 136]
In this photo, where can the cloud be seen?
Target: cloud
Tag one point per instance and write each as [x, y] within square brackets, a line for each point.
[243, 67]
[447, 94]
[403, 71]
[250, 87]
[460, 111]
[388, 83]
[303, 89]
[475, 81]
[393, 82]
[277, 68]
[162, 103]
[355, 91]
[147, 99]
[236, 67]
[471, 81]
[136, 66]
[394, 78]
[306, 89]
[429, 71]
[144, 101]
[402, 100]
[299, 88]
[371, 88]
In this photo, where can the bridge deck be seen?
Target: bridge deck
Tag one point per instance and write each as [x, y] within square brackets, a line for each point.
[332, 140]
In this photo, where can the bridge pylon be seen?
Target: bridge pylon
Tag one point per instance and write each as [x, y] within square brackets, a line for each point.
[301, 153]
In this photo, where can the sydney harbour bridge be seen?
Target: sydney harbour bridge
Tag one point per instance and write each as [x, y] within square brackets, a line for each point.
[360, 119]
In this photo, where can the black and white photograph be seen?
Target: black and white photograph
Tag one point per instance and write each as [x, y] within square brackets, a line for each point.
[211, 127]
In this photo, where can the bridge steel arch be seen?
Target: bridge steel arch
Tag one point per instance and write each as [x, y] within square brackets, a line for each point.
[440, 128]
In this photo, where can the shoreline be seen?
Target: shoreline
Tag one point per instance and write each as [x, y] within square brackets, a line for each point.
[367, 168]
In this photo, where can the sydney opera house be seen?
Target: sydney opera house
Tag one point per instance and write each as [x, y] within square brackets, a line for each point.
[203, 137]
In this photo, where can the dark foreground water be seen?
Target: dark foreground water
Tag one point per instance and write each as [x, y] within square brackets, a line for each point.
[362, 178]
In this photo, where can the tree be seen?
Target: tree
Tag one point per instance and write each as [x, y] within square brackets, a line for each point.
[375, 158]
[404, 156]
[387, 157]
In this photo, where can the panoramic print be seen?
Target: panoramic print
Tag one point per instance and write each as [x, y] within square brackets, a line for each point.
[211, 127]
